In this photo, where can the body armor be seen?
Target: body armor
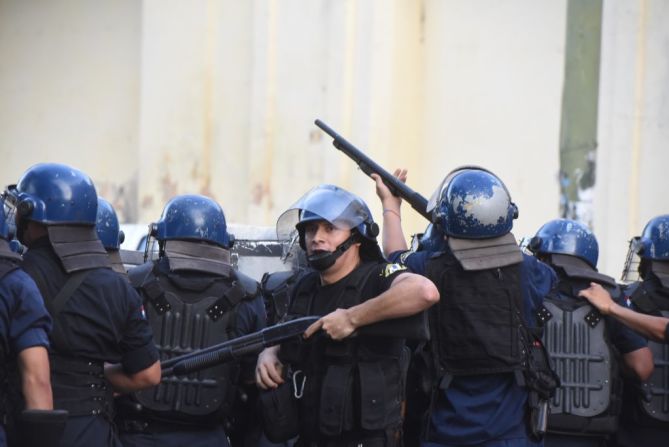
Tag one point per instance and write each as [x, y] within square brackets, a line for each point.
[577, 339]
[652, 297]
[189, 312]
[478, 319]
[365, 370]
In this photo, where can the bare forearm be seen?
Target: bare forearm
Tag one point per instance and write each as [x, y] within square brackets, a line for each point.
[36, 378]
[393, 235]
[649, 326]
[409, 295]
[127, 383]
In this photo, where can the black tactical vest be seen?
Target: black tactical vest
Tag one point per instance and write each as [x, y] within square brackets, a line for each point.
[577, 338]
[276, 290]
[652, 298]
[477, 324]
[349, 385]
[188, 312]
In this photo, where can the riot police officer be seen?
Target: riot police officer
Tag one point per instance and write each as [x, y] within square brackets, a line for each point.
[109, 233]
[585, 409]
[24, 327]
[645, 418]
[351, 387]
[193, 299]
[483, 390]
[100, 342]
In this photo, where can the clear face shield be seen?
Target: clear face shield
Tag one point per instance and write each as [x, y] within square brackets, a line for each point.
[335, 205]
[9, 200]
[342, 209]
[632, 260]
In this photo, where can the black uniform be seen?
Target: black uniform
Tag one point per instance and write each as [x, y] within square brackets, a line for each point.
[585, 348]
[645, 417]
[24, 323]
[191, 309]
[352, 389]
[102, 322]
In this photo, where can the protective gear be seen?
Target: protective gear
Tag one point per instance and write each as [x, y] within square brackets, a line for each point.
[276, 289]
[652, 298]
[64, 199]
[208, 305]
[193, 217]
[432, 240]
[472, 203]
[654, 242]
[567, 237]
[55, 194]
[589, 400]
[331, 369]
[478, 324]
[342, 209]
[4, 227]
[109, 234]
[6, 251]
[107, 226]
[651, 249]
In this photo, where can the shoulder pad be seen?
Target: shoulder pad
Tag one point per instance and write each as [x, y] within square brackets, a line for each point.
[273, 281]
[250, 285]
[139, 274]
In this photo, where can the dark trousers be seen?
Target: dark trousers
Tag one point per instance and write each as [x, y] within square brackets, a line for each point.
[192, 438]
[555, 440]
[86, 431]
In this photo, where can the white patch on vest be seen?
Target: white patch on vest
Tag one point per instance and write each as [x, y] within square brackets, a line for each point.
[486, 210]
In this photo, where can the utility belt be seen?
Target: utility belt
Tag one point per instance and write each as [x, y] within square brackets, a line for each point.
[132, 417]
[79, 386]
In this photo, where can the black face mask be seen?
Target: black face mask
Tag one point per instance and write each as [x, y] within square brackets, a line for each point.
[323, 260]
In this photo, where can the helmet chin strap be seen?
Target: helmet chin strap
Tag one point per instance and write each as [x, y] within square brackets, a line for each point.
[324, 260]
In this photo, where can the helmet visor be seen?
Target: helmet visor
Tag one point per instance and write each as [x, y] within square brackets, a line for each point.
[333, 204]
[632, 261]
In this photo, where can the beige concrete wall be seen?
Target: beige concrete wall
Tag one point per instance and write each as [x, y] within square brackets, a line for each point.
[493, 83]
[159, 97]
[69, 91]
[633, 153]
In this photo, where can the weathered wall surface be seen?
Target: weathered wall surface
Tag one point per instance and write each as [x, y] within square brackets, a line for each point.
[161, 97]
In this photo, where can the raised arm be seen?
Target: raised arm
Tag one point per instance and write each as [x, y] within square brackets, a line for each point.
[654, 328]
[393, 235]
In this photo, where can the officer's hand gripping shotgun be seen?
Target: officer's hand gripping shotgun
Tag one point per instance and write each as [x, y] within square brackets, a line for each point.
[234, 349]
[369, 167]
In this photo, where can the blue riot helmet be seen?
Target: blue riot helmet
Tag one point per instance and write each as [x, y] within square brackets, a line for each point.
[107, 226]
[342, 209]
[654, 241]
[4, 227]
[193, 217]
[566, 237]
[431, 240]
[54, 194]
[472, 203]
